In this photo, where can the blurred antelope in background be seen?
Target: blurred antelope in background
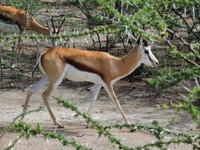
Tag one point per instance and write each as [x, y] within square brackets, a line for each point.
[24, 21]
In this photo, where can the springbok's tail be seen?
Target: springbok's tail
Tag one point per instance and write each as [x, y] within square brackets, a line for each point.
[37, 63]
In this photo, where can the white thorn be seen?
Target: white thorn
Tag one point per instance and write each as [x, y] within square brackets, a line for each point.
[10, 143]
[196, 81]
[86, 41]
[71, 42]
[186, 88]
[174, 6]
[47, 140]
[93, 38]
[126, 30]
[183, 96]
[193, 12]
[185, 11]
[46, 41]
[130, 36]
[96, 117]
[61, 40]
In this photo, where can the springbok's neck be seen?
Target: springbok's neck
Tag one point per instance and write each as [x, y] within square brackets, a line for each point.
[38, 28]
[129, 62]
[41, 30]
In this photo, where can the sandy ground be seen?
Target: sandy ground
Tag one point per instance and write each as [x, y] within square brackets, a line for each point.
[138, 103]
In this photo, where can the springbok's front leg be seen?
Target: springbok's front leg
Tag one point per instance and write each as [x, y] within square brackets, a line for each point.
[111, 93]
[45, 97]
[54, 82]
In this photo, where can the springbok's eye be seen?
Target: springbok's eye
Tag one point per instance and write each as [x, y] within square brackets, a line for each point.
[146, 51]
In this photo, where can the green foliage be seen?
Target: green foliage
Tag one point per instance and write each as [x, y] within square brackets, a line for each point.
[188, 104]
[169, 79]
[27, 131]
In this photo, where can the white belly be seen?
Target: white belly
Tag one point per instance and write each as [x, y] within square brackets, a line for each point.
[8, 28]
[77, 75]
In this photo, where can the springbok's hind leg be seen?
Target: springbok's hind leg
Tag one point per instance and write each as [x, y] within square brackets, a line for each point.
[95, 93]
[34, 88]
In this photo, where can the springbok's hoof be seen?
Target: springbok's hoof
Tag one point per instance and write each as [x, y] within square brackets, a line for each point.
[23, 105]
[60, 126]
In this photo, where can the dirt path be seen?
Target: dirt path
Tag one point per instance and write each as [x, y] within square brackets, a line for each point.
[138, 103]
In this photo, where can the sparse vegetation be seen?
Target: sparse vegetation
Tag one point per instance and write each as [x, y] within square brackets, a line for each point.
[172, 25]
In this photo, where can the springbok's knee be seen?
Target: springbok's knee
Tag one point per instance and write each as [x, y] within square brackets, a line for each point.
[45, 96]
[39, 85]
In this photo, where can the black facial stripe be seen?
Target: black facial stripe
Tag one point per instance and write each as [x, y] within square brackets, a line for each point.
[148, 55]
[150, 58]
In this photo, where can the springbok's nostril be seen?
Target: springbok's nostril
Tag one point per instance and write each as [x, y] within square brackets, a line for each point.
[157, 63]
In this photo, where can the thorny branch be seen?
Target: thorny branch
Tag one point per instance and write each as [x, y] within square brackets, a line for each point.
[184, 42]
[185, 58]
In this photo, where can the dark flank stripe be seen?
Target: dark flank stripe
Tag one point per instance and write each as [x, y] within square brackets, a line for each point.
[82, 67]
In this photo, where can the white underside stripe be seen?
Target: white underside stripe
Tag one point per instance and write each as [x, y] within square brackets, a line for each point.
[77, 75]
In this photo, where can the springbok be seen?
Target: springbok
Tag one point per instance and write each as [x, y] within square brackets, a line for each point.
[22, 19]
[100, 68]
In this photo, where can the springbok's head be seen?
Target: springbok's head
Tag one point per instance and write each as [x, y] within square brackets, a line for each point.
[148, 57]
